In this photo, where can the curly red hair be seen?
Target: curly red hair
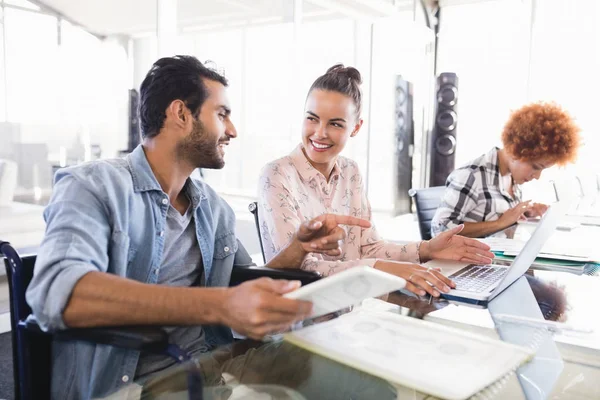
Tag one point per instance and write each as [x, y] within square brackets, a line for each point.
[541, 131]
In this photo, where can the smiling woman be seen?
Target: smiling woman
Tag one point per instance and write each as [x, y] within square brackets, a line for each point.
[332, 116]
[315, 179]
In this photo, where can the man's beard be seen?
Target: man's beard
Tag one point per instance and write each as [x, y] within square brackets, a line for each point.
[200, 149]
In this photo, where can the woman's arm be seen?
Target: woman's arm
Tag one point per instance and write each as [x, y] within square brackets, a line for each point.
[279, 221]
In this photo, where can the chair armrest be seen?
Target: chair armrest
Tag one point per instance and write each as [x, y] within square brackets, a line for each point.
[143, 338]
[242, 274]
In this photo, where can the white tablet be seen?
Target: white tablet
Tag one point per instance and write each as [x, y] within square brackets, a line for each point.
[347, 288]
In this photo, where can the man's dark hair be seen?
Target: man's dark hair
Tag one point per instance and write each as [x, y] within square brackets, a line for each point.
[169, 79]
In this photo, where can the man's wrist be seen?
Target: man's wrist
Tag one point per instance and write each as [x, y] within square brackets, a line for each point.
[290, 257]
[296, 245]
[219, 300]
[296, 252]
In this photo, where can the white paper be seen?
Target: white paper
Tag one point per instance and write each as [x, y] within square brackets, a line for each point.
[562, 226]
[503, 244]
[429, 357]
[553, 249]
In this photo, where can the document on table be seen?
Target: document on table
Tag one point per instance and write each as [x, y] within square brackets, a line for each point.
[552, 249]
[499, 244]
[429, 357]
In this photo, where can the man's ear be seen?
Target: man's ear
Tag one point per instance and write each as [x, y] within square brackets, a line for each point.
[357, 127]
[178, 112]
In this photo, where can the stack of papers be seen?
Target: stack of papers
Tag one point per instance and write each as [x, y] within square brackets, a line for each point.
[500, 245]
[562, 226]
[551, 250]
[584, 220]
[548, 264]
[431, 358]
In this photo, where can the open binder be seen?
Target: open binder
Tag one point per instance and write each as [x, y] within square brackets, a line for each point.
[431, 358]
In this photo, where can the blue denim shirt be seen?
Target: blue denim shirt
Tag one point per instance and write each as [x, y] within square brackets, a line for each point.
[109, 216]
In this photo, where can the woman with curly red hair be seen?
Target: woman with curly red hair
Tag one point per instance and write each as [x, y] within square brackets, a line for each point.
[485, 194]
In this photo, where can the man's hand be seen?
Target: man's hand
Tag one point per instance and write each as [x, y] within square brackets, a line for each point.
[256, 308]
[322, 234]
[514, 214]
[450, 246]
[536, 210]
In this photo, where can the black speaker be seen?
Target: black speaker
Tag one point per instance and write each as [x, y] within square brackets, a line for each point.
[443, 138]
[404, 136]
[134, 120]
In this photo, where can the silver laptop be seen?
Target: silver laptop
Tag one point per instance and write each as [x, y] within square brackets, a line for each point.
[475, 283]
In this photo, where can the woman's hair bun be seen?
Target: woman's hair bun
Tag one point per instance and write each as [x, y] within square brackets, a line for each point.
[351, 72]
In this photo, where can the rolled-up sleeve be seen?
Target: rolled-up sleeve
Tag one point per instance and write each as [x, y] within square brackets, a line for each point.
[76, 242]
[460, 198]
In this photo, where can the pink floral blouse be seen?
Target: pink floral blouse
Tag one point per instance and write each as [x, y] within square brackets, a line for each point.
[291, 191]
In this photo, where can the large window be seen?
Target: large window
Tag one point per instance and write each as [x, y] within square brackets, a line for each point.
[270, 69]
[94, 81]
[268, 83]
[501, 59]
[486, 44]
[64, 93]
[2, 71]
[508, 53]
[564, 66]
[405, 55]
[31, 66]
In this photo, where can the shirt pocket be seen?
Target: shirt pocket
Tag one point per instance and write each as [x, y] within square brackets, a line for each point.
[122, 252]
[225, 246]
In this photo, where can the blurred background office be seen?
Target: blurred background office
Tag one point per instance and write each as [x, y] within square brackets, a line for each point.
[449, 69]
[67, 67]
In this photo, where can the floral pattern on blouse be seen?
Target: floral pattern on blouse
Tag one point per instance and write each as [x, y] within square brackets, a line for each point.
[291, 191]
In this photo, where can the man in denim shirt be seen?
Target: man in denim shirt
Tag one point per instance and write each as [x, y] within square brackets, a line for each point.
[135, 241]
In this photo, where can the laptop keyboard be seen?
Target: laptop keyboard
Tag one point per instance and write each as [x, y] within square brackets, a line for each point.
[477, 278]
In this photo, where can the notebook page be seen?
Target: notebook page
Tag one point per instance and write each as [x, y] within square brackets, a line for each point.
[432, 358]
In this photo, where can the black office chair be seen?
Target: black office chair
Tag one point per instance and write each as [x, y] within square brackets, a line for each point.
[32, 362]
[253, 208]
[32, 347]
[427, 202]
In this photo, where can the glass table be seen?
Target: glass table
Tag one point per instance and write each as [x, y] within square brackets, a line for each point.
[566, 363]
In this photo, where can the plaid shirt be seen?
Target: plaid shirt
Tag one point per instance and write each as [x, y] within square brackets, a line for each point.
[474, 193]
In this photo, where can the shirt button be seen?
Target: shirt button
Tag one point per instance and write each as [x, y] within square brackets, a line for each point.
[226, 249]
[165, 201]
[125, 378]
[161, 233]
[156, 271]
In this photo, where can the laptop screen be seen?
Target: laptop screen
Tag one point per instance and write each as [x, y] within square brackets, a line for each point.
[525, 258]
